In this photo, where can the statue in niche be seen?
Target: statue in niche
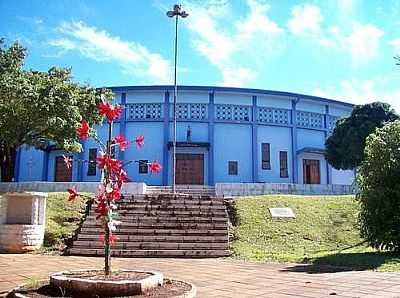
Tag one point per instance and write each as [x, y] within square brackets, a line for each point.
[189, 134]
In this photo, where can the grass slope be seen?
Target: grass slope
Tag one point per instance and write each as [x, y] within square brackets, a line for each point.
[323, 227]
[62, 218]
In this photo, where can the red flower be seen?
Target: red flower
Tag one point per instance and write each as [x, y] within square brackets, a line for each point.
[110, 112]
[155, 167]
[67, 161]
[72, 194]
[140, 141]
[115, 194]
[123, 144]
[83, 130]
[101, 209]
[105, 162]
[122, 177]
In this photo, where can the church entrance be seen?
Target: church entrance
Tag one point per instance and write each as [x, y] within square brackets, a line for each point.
[62, 173]
[311, 171]
[189, 168]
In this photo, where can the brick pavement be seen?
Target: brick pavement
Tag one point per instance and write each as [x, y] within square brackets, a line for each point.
[221, 277]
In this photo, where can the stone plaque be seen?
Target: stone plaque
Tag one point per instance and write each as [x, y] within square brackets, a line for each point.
[282, 213]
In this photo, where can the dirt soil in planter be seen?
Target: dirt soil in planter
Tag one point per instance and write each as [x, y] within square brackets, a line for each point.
[171, 288]
[115, 276]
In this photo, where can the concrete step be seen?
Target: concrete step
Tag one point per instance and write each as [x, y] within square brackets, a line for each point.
[176, 207]
[170, 219]
[98, 230]
[160, 238]
[167, 202]
[161, 225]
[153, 245]
[151, 253]
[169, 213]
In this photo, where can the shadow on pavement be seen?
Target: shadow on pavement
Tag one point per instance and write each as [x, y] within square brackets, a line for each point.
[341, 262]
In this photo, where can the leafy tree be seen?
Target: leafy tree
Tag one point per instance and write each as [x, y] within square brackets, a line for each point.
[39, 108]
[379, 188]
[345, 147]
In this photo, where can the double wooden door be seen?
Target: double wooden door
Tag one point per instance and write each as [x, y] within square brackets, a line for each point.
[311, 171]
[62, 173]
[189, 168]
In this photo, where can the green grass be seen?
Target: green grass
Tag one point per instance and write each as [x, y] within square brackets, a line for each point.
[62, 218]
[325, 231]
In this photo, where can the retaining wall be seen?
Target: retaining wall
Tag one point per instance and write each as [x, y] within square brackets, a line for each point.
[252, 189]
[130, 187]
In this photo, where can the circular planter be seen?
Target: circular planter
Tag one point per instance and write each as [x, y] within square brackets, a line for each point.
[105, 287]
[189, 292]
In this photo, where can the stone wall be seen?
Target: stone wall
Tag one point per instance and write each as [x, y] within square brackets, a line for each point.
[130, 187]
[20, 238]
[252, 189]
[22, 221]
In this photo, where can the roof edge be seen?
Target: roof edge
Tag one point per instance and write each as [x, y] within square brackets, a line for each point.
[227, 89]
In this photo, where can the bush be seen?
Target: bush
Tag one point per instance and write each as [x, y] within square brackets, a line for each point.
[379, 188]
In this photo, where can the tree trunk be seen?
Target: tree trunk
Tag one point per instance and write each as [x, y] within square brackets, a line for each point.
[7, 162]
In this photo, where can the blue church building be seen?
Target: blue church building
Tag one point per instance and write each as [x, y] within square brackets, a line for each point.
[223, 135]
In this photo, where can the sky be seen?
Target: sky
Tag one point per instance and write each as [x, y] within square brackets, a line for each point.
[339, 49]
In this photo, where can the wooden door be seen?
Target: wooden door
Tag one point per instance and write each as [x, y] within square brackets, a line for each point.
[62, 173]
[189, 169]
[311, 171]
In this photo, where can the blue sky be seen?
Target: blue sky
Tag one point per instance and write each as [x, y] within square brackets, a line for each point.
[341, 49]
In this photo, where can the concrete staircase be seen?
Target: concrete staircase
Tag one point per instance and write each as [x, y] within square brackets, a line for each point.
[204, 190]
[161, 226]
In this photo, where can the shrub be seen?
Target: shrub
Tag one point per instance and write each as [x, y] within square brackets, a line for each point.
[379, 188]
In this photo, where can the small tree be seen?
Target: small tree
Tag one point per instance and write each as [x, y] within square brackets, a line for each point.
[379, 188]
[40, 108]
[113, 176]
[345, 147]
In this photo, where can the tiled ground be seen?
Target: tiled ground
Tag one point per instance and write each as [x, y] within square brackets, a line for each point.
[221, 277]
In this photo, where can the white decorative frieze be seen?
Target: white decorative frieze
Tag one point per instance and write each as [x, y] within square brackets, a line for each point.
[309, 119]
[190, 111]
[143, 111]
[271, 115]
[232, 113]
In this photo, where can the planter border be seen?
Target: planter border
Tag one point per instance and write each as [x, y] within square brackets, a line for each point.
[107, 287]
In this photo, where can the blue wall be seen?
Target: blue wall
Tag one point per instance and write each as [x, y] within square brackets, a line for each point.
[230, 134]
[232, 142]
[31, 164]
[279, 139]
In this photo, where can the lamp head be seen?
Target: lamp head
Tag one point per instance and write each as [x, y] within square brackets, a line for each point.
[170, 13]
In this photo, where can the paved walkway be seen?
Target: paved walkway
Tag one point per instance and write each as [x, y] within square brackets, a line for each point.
[221, 277]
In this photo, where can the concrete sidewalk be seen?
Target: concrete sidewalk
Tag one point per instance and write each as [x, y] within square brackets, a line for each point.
[221, 277]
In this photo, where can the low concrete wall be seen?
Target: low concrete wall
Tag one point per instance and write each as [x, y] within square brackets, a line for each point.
[130, 187]
[252, 189]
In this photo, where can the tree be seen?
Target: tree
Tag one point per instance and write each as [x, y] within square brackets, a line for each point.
[379, 188]
[40, 108]
[113, 177]
[345, 147]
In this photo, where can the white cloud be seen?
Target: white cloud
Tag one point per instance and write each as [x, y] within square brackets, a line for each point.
[361, 42]
[362, 91]
[364, 43]
[306, 19]
[100, 46]
[395, 43]
[235, 76]
[251, 37]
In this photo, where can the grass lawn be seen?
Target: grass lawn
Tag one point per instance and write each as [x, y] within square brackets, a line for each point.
[62, 218]
[324, 230]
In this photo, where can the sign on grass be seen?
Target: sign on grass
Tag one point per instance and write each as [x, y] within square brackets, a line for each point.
[282, 213]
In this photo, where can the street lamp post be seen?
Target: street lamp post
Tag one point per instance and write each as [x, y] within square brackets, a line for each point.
[176, 12]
